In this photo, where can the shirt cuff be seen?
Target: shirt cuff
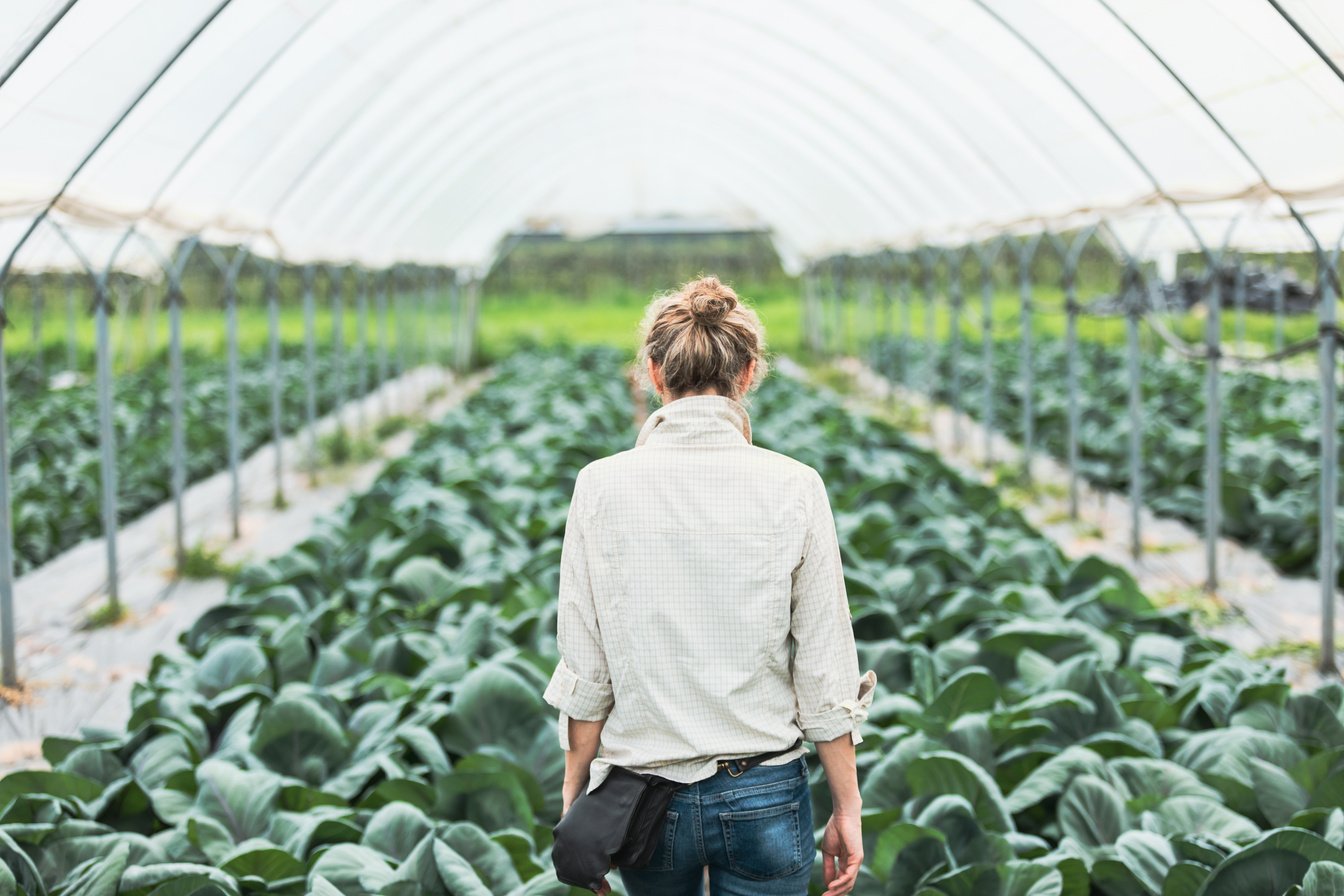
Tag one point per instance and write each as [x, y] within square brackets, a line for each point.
[587, 701]
[844, 717]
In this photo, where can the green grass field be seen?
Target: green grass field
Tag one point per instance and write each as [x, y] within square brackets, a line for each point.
[138, 339]
[1049, 320]
[506, 322]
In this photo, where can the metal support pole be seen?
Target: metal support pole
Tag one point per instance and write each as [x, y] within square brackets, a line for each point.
[1027, 253]
[1071, 309]
[455, 311]
[107, 439]
[926, 259]
[987, 352]
[277, 378]
[1239, 296]
[7, 635]
[858, 313]
[888, 328]
[1132, 312]
[39, 350]
[1213, 455]
[1328, 549]
[310, 367]
[830, 336]
[336, 277]
[1071, 255]
[468, 330]
[842, 335]
[825, 324]
[425, 331]
[474, 307]
[809, 285]
[825, 319]
[436, 328]
[382, 342]
[437, 304]
[124, 293]
[450, 303]
[399, 323]
[906, 322]
[151, 334]
[955, 299]
[402, 322]
[116, 294]
[1280, 287]
[867, 321]
[414, 338]
[438, 309]
[362, 347]
[229, 269]
[415, 292]
[179, 443]
[448, 296]
[71, 336]
[882, 284]
[235, 451]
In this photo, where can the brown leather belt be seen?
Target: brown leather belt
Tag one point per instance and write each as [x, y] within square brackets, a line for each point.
[739, 766]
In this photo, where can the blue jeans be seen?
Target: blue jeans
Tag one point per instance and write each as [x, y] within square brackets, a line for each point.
[754, 832]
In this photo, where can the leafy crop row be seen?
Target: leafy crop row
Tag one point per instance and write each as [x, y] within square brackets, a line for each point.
[1270, 435]
[55, 454]
[1041, 729]
[364, 715]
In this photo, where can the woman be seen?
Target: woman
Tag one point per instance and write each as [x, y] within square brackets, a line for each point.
[703, 618]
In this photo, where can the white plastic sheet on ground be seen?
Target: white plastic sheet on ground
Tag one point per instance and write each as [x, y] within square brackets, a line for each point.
[384, 130]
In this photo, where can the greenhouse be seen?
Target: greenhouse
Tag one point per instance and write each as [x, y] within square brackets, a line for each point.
[312, 313]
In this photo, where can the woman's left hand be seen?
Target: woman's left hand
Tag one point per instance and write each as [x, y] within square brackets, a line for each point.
[570, 792]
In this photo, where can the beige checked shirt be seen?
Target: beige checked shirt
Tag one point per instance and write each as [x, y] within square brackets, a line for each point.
[702, 608]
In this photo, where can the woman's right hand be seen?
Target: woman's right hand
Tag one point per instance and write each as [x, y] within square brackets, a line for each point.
[841, 853]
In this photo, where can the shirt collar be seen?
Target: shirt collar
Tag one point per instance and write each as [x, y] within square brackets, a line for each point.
[697, 420]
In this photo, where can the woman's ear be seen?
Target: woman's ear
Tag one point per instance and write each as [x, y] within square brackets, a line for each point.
[744, 382]
[656, 376]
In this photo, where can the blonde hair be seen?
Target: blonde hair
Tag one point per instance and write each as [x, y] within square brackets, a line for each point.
[702, 337]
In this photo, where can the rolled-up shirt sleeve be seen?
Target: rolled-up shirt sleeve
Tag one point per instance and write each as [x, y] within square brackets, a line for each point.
[832, 697]
[580, 687]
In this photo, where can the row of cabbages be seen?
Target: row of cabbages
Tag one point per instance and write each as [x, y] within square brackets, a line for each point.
[364, 715]
[55, 449]
[1271, 432]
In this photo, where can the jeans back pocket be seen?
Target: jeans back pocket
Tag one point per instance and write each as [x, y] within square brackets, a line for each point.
[766, 843]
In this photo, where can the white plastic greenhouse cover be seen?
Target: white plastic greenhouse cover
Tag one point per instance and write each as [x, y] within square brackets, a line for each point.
[423, 130]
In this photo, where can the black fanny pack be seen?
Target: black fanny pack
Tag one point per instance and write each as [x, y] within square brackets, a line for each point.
[620, 822]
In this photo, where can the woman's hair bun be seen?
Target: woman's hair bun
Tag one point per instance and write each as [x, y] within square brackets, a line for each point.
[702, 336]
[709, 300]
